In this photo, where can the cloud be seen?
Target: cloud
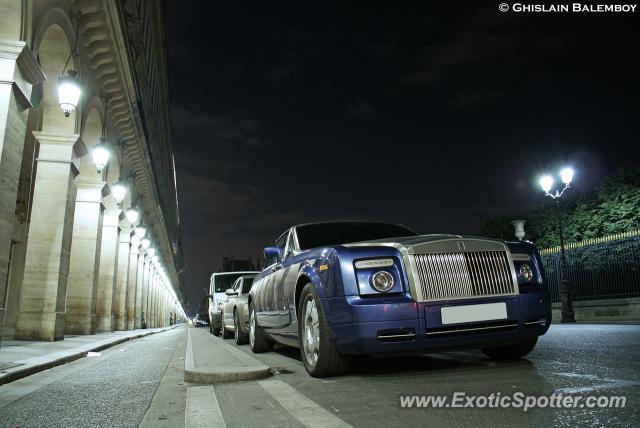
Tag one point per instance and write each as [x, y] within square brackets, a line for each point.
[219, 129]
[359, 109]
[465, 99]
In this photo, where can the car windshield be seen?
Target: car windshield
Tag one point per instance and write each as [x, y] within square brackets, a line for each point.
[327, 234]
[224, 282]
[201, 316]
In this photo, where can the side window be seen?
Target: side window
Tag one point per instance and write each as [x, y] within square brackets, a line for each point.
[238, 286]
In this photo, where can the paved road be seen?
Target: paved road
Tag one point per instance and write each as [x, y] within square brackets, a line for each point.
[113, 389]
[141, 382]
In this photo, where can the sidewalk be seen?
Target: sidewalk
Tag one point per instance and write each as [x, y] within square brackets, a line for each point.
[210, 360]
[20, 358]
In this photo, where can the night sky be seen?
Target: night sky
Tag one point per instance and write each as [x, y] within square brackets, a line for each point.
[435, 116]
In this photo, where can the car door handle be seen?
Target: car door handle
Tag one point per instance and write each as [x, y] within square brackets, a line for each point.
[276, 267]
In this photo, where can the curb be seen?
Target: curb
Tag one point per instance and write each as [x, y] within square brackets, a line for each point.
[253, 370]
[27, 370]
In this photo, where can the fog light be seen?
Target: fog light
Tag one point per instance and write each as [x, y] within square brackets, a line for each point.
[382, 281]
[526, 273]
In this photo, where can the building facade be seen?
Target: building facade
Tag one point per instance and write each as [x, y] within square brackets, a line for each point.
[89, 221]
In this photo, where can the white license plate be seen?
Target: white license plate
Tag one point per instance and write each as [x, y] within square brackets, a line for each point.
[473, 313]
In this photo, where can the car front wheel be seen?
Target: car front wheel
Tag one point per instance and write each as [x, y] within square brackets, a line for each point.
[226, 334]
[319, 355]
[512, 351]
[239, 335]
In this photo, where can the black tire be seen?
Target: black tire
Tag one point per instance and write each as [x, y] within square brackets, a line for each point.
[239, 335]
[260, 342]
[226, 334]
[512, 351]
[329, 361]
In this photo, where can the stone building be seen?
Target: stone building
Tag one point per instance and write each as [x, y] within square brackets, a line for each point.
[87, 244]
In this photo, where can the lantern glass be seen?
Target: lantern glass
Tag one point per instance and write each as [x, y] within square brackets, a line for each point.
[151, 252]
[146, 243]
[119, 191]
[132, 215]
[546, 183]
[141, 231]
[100, 155]
[566, 175]
[69, 92]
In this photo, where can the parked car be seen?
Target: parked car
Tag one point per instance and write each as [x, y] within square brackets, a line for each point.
[201, 320]
[235, 313]
[218, 284]
[341, 289]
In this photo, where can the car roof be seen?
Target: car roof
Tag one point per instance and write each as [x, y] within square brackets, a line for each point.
[313, 223]
[245, 272]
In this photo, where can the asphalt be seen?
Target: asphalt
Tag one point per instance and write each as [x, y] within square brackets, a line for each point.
[20, 358]
[112, 389]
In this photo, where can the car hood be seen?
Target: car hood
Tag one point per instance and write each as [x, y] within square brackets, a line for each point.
[436, 243]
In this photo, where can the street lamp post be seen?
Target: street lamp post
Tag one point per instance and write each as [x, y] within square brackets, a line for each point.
[546, 182]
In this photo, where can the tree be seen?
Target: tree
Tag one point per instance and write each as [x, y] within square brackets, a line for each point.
[499, 228]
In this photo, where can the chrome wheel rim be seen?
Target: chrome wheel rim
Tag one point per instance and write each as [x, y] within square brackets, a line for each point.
[252, 328]
[311, 332]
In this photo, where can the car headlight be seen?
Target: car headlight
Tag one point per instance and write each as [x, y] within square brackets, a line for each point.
[526, 272]
[382, 281]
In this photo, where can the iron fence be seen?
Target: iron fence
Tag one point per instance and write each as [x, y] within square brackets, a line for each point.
[602, 268]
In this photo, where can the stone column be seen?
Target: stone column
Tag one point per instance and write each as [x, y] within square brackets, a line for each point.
[122, 276]
[107, 275]
[84, 260]
[132, 284]
[18, 72]
[152, 294]
[139, 288]
[44, 286]
[145, 291]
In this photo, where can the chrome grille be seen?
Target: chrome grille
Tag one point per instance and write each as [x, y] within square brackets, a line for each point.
[464, 275]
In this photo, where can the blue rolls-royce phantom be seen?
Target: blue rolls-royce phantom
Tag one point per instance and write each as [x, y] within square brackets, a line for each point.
[341, 289]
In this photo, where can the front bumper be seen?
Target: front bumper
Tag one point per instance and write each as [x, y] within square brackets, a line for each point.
[399, 324]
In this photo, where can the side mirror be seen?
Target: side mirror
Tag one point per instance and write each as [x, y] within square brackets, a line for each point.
[230, 292]
[209, 296]
[271, 253]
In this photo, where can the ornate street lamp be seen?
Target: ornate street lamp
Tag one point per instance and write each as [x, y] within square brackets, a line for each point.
[132, 215]
[69, 91]
[146, 243]
[546, 183]
[100, 155]
[140, 231]
[119, 191]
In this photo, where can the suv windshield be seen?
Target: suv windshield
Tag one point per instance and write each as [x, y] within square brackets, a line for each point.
[224, 282]
[327, 234]
[202, 316]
